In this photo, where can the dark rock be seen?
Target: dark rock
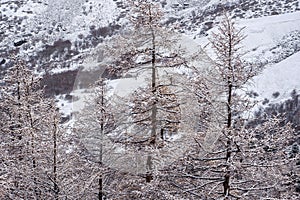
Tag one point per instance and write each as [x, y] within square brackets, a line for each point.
[61, 83]
[68, 97]
[65, 119]
[2, 61]
[19, 43]
[265, 101]
[276, 94]
[297, 188]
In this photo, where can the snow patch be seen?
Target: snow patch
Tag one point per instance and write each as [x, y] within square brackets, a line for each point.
[282, 77]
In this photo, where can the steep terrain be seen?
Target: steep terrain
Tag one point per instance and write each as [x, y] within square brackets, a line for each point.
[57, 36]
[145, 126]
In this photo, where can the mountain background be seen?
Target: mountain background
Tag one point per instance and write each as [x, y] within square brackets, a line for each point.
[56, 38]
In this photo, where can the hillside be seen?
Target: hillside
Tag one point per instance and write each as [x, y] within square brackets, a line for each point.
[56, 37]
[149, 99]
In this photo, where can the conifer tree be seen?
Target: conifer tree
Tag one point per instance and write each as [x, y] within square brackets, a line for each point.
[30, 135]
[94, 126]
[147, 49]
[242, 161]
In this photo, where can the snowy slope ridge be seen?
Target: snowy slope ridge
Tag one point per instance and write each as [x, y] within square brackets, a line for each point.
[58, 35]
[265, 32]
[198, 19]
[263, 35]
[282, 77]
[281, 62]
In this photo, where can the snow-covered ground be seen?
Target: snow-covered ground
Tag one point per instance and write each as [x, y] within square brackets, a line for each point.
[262, 34]
[265, 32]
[282, 77]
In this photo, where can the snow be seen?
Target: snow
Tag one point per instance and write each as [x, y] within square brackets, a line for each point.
[123, 87]
[58, 70]
[282, 77]
[76, 16]
[66, 19]
[65, 107]
[264, 32]
[261, 34]
[79, 100]
[82, 97]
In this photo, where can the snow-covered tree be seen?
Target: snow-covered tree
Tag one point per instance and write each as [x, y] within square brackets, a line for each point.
[233, 160]
[147, 49]
[38, 157]
[94, 126]
[28, 135]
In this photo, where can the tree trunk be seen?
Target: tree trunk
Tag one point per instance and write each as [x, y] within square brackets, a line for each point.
[149, 175]
[100, 194]
[226, 183]
[100, 182]
[55, 187]
[153, 87]
[32, 146]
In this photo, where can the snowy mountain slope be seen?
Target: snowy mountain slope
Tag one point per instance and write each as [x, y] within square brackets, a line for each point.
[198, 19]
[44, 25]
[281, 78]
[266, 32]
[272, 43]
[57, 36]
[55, 19]
[53, 33]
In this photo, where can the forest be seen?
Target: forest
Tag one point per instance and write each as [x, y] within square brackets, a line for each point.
[189, 130]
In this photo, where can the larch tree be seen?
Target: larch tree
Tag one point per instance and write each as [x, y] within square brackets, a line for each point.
[242, 161]
[21, 105]
[93, 125]
[146, 49]
[54, 119]
[29, 136]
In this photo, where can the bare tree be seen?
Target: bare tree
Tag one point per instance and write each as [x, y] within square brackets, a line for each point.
[27, 134]
[241, 161]
[146, 49]
[94, 126]
[37, 159]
